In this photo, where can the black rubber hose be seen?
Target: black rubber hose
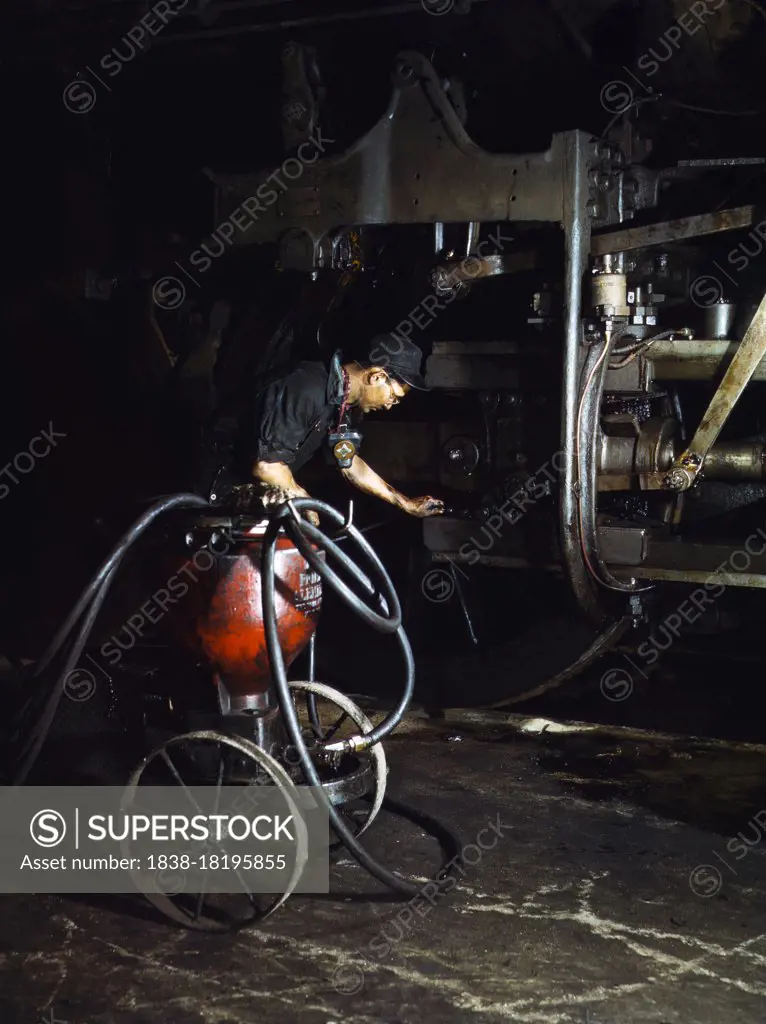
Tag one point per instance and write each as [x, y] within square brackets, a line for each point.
[126, 541]
[402, 885]
[295, 531]
[303, 538]
[42, 727]
[92, 599]
[389, 623]
[311, 699]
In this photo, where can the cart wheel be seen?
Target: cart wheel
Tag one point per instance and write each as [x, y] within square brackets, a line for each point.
[330, 726]
[208, 758]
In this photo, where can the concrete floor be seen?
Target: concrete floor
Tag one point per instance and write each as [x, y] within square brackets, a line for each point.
[585, 911]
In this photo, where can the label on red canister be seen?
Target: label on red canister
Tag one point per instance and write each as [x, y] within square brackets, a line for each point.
[309, 596]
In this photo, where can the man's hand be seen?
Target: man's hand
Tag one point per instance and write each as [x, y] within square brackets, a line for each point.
[279, 485]
[367, 480]
[274, 496]
[424, 507]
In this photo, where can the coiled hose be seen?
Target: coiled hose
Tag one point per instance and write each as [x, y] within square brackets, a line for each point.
[303, 534]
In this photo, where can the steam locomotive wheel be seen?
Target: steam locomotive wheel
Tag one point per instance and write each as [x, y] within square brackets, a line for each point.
[331, 701]
[208, 758]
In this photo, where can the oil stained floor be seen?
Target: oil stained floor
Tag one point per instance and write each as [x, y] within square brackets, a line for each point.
[617, 893]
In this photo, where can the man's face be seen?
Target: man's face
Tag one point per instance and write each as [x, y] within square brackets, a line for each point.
[379, 391]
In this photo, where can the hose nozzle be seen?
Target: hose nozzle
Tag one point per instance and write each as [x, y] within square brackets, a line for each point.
[353, 745]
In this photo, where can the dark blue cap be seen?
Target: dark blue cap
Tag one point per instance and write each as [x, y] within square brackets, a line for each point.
[399, 357]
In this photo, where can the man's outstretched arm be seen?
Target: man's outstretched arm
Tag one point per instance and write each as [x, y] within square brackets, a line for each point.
[367, 480]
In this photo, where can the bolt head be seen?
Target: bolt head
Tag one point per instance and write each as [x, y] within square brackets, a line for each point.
[676, 480]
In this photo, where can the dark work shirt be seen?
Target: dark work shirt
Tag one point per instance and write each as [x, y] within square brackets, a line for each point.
[293, 415]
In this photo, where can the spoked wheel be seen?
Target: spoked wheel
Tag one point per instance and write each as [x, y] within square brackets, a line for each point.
[337, 717]
[208, 758]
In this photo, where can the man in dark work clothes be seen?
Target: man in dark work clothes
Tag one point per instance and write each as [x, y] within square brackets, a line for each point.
[290, 419]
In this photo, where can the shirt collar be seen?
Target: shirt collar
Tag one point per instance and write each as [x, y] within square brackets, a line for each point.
[335, 380]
